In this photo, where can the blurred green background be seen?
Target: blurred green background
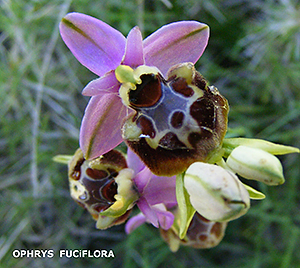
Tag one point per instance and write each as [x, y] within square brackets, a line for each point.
[253, 58]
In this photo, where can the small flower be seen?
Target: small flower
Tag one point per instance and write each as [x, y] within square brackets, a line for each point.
[108, 188]
[103, 186]
[215, 193]
[102, 49]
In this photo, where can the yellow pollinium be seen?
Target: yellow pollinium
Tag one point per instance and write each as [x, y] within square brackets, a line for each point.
[125, 74]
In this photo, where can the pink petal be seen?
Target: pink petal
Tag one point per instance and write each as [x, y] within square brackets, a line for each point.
[155, 189]
[165, 218]
[107, 83]
[134, 162]
[134, 223]
[95, 44]
[157, 215]
[142, 179]
[101, 125]
[175, 43]
[161, 190]
[149, 213]
[134, 49]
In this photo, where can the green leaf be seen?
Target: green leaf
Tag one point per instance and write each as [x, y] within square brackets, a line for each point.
[186, 210]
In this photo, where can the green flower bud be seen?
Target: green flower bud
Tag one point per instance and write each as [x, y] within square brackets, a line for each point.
[256, 164]
[216, 194]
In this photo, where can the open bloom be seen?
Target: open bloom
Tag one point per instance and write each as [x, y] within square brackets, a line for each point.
[109, 186]
[102, 49]
[103, 186]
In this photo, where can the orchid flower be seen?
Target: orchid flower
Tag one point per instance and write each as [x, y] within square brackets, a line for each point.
[109, 186]
[177, 121]
[150, 95]
[103, 186]
[102, 49]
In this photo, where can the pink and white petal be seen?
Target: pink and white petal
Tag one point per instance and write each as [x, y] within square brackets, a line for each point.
[161, 190]
[134, 55]
[177, 42]
[142, 179]
[134, 162]
[101, 125]
[107, 83]
[95, 44]
[165, 218]
[134, 222]
[147, 210]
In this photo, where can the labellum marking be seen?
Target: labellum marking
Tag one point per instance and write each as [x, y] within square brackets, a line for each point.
[147, 93]
[93, 186]
[201, 233]
[177, 121]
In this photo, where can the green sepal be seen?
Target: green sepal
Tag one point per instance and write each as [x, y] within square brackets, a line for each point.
[63, 159]
[272, 148]
[254, 194]
[185, 208]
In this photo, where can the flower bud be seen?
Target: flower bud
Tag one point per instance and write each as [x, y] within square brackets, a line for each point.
[216, 193]
[256, 164]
